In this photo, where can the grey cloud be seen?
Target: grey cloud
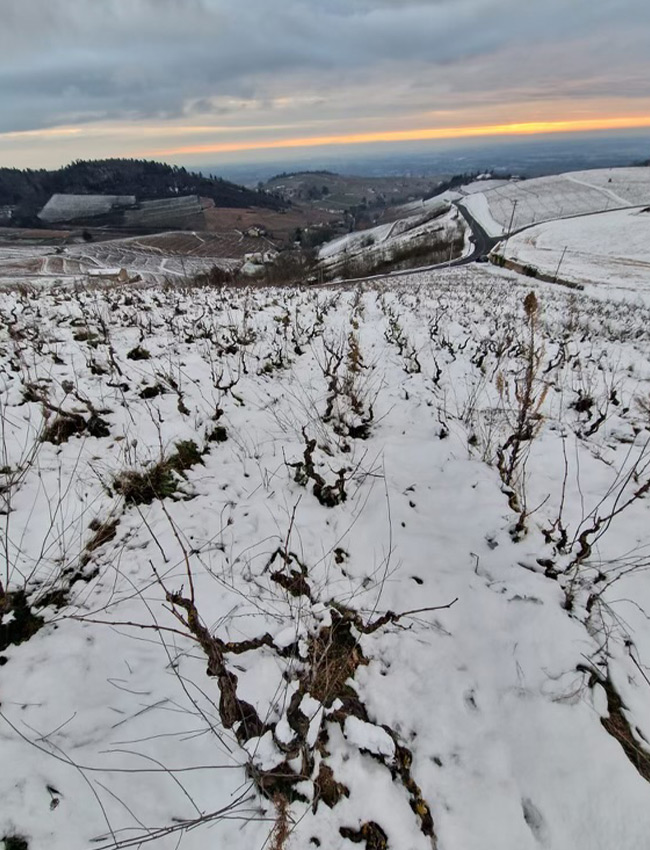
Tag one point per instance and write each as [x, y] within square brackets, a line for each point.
[138, 58]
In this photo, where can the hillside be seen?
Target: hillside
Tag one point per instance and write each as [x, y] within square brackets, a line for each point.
[604, 252]
[340, 192]
[156, 258]
[434, 236]
[325, 567]
[515, 204]
[29, 190]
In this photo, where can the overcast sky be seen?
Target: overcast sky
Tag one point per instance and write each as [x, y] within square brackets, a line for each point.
[200, 80]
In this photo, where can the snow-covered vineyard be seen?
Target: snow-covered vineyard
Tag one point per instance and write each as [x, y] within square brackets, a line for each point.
[152, 259]
[607, 253]
[308, 567]
[509, 206]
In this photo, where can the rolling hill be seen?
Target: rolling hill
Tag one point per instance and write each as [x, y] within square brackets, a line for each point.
[28, 191]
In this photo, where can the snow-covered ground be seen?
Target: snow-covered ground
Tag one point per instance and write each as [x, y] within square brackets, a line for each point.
[609, 250]
[432, 230]
[517, 204]
[140, 256]
[475, 187]
[481, 186]
[315, 459]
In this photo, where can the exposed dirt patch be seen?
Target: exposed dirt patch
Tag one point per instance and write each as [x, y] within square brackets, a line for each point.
[15, 842]
[370, 834]
[67, 425]
[103, 532]
[138, 353]
[161, 479]
[327, 788]
[333, 658]
[17, 621]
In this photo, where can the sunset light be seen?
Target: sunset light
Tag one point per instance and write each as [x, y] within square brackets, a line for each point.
[435, 133]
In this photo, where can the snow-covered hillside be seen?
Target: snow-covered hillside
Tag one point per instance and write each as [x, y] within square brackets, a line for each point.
[609, 250]
[520, 203]
[436, 233]
[152, 259]
[326, 566]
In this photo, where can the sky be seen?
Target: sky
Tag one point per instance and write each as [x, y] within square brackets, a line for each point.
[191, 81]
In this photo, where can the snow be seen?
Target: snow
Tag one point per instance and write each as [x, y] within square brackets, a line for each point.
[263, 752]
[356, 239]
[367, 736]
[631, 186]
[478, 206]
[104, 272]
[437, 223]
[122, 724]
[482, 185]
[45, 266]
[479, 185]
[64, 207]
[609, 251]
[540, 199]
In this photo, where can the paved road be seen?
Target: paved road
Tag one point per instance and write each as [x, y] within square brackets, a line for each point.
[483, 244]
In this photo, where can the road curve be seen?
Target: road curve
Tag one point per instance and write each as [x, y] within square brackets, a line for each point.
[483, 244]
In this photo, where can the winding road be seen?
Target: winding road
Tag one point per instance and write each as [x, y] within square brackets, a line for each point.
[483, 244]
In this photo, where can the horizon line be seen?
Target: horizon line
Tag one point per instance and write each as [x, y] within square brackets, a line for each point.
[526, 128]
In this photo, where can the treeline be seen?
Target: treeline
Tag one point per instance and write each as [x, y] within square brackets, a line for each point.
[284, 174]
[28, 190]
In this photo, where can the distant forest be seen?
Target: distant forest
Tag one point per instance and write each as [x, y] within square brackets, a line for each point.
[29, 190]
[284, 174]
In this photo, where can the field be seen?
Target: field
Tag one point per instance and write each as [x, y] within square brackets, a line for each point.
[280, 226]
[561, 196]
[179, 255]
[609, 252]
[166, 256]
[44, 257]
[325, 566]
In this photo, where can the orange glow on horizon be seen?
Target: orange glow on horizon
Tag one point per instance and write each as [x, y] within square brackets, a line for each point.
[433, 133]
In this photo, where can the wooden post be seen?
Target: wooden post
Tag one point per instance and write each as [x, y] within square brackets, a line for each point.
[557, 271]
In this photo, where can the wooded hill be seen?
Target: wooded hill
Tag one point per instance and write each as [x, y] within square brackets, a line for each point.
[29, 190]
